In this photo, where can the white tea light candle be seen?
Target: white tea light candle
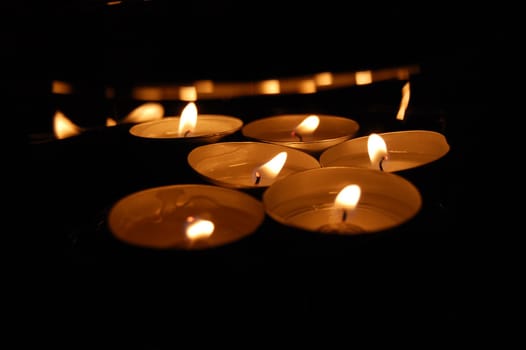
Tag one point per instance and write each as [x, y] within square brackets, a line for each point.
[189, 127]
[234, 164]
[185, 217]
[405, 150]
[329, 130]
[309, 200]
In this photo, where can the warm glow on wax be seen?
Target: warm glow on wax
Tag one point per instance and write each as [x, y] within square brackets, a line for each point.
[188, 119]
[348, 197]
[63, 127]
[377, 149]
[199, 228]
[270, 169]
[144, 113]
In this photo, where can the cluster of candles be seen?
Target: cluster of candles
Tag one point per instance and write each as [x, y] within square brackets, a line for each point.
[314, 174]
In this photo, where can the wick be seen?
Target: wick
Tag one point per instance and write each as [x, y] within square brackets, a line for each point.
[186, 133]
[294, 133]
[381, 163]
[344, 215]
[258, 177]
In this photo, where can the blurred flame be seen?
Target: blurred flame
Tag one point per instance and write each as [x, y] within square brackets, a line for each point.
[307, 126]
[63, 127]
[144, 113]
[110, 122]
[307, 86]
[364, 77]
[270, 169]
[406, 93]
[204, 86]
[198, 228]
[324, 79]
[348, 197]
[188, 93]
[377, 149]
[270, 87]
[188, 119]
[61, 87]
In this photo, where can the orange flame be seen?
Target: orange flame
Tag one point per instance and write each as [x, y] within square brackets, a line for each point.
[63, 127]
[188, 119]
[307, 126]
[377, 150]
[348, 197]
[268, 171]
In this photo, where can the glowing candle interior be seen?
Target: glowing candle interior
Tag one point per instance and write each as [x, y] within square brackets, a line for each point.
[188, 119]
[269, 170]
[307, 200]
[185, 217]
[306, 127]
[198, 228]
[377, 149]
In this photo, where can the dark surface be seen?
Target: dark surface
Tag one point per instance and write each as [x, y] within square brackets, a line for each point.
[422, 281]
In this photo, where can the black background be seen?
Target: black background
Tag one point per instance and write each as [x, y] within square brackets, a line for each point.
[424, 283]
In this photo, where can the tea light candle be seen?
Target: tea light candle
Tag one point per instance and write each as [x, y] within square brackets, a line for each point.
[236, 164]
[311, 200]
[185, 217]
[190, 126]
[404, 150]
[310, 133]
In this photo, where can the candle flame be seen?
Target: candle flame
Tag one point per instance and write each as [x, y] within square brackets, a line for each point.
[144, 113]
[307, 126]
[188, 119]
[377, 149]
[63, 127]
[198, 228]
[406, 93]
[348, 197]
[270, 169]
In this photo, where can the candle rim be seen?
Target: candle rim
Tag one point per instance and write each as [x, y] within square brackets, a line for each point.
[293, 156]
[331, 156]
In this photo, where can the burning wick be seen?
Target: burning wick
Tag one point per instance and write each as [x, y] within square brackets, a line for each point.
[257, 174]
[306, 127]
[377, 150]
[297, 134]
[344, 215]
[347, 199]
[188, 119]
[271, 169]
[380, 163]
